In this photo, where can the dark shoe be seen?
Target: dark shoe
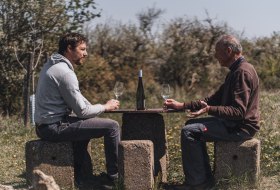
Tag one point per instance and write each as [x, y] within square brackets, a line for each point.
[110, 182]
[208, 185]
[113, 177]
[183, 187]
[79, 183]
[107, 187]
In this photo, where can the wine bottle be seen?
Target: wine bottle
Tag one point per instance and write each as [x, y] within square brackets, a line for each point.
[140, 95]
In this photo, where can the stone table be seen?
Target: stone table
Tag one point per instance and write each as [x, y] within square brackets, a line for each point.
[147, 125]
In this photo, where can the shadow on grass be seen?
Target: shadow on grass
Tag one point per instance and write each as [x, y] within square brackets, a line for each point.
[96, 182]
[19, 184]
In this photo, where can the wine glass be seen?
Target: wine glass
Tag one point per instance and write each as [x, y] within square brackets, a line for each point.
[118, 89]
[165, 92]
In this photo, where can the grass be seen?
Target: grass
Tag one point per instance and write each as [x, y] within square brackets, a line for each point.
[14, 136]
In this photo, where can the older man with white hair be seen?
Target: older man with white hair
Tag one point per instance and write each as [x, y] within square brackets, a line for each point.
[233, 111]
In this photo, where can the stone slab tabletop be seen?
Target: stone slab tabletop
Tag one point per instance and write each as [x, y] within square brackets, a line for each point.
[150, 110]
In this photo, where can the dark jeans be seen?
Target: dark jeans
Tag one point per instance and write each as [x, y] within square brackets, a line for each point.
[194, 136]
[80, 131]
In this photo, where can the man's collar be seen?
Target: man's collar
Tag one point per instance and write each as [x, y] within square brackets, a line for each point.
[236, 62]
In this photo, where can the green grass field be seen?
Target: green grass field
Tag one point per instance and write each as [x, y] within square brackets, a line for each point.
[14, 136]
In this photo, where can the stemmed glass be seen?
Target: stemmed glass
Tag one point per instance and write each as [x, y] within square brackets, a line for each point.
[165, 92]
[118, 89]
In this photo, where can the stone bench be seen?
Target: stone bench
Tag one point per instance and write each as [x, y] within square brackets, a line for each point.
[54, 159]
[136, 164]
[238, 159]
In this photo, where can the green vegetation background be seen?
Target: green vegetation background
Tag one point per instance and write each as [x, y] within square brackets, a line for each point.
[14, 136]
[179, 51]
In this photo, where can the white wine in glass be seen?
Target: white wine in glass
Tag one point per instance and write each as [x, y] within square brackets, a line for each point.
[165, 92]
[118, 89]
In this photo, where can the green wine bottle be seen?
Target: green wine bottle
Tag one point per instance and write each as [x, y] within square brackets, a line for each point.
[140, 95]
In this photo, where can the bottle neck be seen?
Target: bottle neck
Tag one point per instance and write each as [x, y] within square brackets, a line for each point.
[140, 74]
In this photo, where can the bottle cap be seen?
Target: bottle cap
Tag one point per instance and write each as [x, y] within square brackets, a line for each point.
[140, 73]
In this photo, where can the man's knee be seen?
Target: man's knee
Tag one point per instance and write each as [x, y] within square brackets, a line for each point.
[192, 131]
[114, 127]
[186, 131]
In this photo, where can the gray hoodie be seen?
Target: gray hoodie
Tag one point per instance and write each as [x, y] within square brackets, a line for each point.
[58, 94]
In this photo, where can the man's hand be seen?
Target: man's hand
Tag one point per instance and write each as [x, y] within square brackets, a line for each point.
[204, 109]
[170, 103]
[112, 105]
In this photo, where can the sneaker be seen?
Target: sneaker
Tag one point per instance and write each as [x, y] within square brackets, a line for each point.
[79, 183]
[113, 177]
[110, 182]
[107, 187]
[183, 187]
[208, 185]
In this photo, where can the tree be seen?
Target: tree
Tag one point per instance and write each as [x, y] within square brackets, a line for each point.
[187, 47]
[25, 25]
[265, 55]
[147, 19]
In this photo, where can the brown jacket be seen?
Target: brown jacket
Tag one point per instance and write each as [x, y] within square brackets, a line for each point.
[237, 99]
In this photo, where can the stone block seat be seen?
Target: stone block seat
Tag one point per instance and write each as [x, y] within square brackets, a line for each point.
[53, 159]
[238, 159]
[136, 164]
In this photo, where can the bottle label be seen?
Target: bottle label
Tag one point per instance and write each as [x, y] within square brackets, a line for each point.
[141, 105]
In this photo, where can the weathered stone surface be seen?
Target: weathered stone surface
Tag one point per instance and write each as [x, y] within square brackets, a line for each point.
[6, 187]
[42, 181]
[54, 159]
[237, 159]
[136, 158]
[148, 126]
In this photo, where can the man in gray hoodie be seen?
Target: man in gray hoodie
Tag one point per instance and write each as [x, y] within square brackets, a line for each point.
[58, 97]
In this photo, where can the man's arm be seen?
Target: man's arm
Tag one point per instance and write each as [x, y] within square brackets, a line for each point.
[69, 89]
[240, 90]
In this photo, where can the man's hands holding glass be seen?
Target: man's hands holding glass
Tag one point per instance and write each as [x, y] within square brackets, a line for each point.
[173, 104]
[112, 105]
